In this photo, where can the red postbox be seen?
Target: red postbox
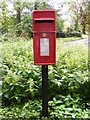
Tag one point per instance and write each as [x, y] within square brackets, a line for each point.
[44, 37]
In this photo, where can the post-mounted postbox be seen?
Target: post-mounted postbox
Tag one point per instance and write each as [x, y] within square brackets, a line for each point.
[44, 37]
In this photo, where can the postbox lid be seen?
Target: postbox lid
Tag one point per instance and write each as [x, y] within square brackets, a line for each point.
[37, 19]
[43, 15]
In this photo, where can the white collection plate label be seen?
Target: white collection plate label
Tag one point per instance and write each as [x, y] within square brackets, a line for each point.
[44, 46]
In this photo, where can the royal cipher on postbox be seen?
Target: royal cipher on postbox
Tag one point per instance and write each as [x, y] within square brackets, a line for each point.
[44, 37]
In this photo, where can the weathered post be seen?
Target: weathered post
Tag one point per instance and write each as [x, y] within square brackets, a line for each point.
[45, 90]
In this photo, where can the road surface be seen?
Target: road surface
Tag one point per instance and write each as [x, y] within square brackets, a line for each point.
[78, 42]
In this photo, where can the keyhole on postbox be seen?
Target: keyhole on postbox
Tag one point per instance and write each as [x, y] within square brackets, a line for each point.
[44, 34]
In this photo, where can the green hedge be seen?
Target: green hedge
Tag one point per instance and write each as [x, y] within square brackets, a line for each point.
[70, 34]
[12, 37]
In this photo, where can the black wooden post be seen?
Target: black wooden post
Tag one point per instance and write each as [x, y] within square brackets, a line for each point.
[45, 90]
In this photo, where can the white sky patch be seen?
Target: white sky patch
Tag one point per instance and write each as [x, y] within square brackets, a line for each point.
[26, 10]
[10, 6]
[56, 4]
[0, 10]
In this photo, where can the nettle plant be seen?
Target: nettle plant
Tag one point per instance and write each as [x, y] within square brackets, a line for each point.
[19, 75]
[71, 70]
[21, 79]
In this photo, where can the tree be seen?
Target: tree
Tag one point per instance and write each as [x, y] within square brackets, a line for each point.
[18, 16]
[79, 11]
[18, 12]
[59, 23]
[4, 17]
[84, 15]
[20, 22]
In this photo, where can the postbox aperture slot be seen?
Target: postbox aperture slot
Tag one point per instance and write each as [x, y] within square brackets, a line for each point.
[44, 21]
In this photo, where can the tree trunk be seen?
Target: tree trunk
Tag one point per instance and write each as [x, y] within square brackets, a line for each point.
[76, 24]
[35, 7]
[83, 30]
[18, 17]
[4, 18]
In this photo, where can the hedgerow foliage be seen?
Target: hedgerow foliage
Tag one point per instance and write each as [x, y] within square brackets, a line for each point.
[68, 83]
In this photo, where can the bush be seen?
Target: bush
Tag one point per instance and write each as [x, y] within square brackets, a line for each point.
[70, 34]
[21, 80]
[19, 75]
[74, 34]
[30, 110]
[58, 108]
[66, 107]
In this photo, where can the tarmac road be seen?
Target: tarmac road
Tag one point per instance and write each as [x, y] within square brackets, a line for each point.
[79, 42]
